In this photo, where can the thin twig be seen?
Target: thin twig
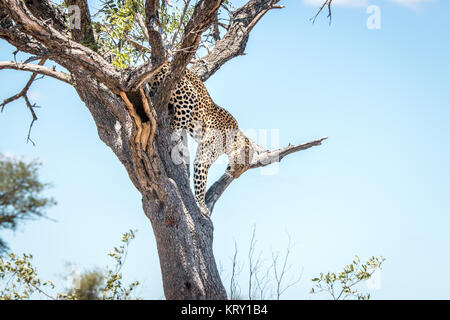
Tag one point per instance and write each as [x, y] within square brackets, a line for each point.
[329, 16]
[24, 94]
[180, 24]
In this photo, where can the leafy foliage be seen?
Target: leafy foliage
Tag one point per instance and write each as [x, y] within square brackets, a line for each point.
[114, 288]
[343, 284]
[120, 31]
[21, 196]
[119, 26]
[20, 279]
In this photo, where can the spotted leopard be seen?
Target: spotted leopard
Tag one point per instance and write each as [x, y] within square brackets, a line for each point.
[216, 131]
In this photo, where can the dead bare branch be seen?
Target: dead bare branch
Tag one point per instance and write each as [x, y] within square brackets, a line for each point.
[268, 157]
[24, 94]
[280, 274]
[326, 3]
[235, 40]
[254, 265]
[37, 69]
[235, 271]
[261, 159]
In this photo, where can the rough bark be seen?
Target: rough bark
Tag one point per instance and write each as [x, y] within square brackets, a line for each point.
[235, 40]
[135, 126]
[84, 34]
[154, 32]
[183, 235]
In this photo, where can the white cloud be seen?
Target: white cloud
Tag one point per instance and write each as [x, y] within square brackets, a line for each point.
[343, 3]
[414, 4]
[14, 157]
[9, 156]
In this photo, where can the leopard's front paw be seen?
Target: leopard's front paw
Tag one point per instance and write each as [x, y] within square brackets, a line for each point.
[204, 209]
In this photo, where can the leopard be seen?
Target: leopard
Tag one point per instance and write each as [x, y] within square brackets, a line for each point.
[216, 131]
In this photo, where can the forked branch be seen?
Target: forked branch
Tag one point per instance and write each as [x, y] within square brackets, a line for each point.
[261, 159]
[24, 94]
[234, 42]
[327, 3]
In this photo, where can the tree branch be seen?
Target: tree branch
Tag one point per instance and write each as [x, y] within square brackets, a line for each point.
[326, 3]
[261, 159]
[46, 11]
[181, 23]
[235, 40]
[141, 24]
[201, 19]
[24, 94]
[216, 31]
[154, 32]
[137, 76]
[267, 157]
[139, 47]
[36, 68]
[85, 34]
[66, 52]
[16, 38]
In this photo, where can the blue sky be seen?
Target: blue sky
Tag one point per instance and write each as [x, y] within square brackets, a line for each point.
[378, 186]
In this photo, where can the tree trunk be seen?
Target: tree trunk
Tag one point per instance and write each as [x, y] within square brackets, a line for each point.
[183, 235]
[185, 251]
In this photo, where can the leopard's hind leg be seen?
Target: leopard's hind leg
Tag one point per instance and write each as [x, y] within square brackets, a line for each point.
[209, 149]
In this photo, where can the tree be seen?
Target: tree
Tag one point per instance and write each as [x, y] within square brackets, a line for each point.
[107, 58]
[21, 196]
